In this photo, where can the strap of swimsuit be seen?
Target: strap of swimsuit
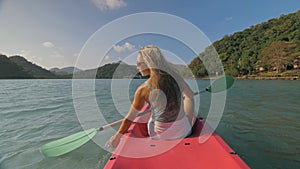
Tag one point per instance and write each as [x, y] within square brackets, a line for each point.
[149, 85]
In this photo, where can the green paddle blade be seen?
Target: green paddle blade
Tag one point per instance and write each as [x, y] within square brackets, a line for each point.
[67, 144]
[221, 84]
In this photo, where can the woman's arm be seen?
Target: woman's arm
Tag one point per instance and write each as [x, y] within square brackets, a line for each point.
[188, 102]
[137, 105]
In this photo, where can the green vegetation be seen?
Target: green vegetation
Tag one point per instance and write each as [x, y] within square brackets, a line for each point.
[269, 46]
[17, 67]
[278, 55]
[269, 49]
[9, 70]
[35, 71]
[116, 70]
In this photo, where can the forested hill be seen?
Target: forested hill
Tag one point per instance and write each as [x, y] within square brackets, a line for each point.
[269, 46]
[17, 67]
[10, 70]
[30, 68]
[117, 70]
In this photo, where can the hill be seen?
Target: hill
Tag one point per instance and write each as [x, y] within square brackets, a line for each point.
[65, 71]
[32, 69]
[121, 70]
[261, 50]
[10, 70]
[17, 67]
[117, 70]
[245, 52]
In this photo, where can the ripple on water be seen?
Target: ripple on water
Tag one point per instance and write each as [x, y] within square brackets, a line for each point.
[260, 122]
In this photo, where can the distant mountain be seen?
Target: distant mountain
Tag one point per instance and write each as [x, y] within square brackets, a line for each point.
[121, 70]
[18, 67]
[65, 71]
[117, 70]
[33, 70]
[71, 69]
[10, 70]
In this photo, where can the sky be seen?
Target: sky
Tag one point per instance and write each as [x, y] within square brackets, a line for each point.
[61, 33]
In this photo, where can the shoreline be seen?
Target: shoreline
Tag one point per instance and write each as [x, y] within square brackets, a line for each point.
[267, 78]
[246, 77]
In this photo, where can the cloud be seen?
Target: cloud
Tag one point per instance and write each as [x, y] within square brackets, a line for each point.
[56, 54]
[109, 4]
[48, 45]
[123, 48]
[26, 53]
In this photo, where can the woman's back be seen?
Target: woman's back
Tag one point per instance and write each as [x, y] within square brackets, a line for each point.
[166, 100]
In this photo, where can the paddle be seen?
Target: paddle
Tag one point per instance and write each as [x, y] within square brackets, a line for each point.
[67, 144]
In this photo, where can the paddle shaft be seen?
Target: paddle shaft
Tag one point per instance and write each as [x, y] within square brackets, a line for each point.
[120, 121]
[202, 91]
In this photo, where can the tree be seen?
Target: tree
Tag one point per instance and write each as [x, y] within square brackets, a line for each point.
[278, 55]
[231, 69]
[197, 68]
[241, 51]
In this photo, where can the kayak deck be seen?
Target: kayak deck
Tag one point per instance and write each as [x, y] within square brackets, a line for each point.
[187, 153]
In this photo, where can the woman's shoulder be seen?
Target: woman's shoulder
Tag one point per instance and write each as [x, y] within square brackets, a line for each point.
[143, 90]
[143, 87]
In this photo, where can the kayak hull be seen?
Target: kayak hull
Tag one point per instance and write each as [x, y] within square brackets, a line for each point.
[146, 153]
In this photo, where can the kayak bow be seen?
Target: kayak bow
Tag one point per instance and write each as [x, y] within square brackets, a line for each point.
[188, 153]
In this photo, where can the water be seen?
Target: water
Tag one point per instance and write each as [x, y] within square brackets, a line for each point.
[260, 122]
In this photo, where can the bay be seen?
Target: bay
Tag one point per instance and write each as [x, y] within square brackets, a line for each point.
[260, 121]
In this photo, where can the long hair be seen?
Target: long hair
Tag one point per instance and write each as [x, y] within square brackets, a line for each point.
[163, 77]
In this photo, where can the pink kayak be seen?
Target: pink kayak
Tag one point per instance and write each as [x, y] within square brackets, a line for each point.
[138, 151]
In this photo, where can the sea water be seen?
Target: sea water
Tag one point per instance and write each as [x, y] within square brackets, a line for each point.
[260, 120]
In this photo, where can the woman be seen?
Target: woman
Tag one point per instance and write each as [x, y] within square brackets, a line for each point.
[163, 91]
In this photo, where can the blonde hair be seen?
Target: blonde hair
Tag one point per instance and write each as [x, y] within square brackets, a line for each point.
[163, 76]
[155, 60]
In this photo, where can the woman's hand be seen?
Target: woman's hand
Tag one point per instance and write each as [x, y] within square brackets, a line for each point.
[137, 105]
[114, 140]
